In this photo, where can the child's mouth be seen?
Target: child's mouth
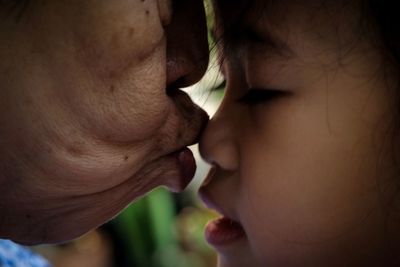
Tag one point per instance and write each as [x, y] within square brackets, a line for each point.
[223, 231]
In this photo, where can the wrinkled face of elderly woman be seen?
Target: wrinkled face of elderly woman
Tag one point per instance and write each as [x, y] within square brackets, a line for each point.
[91, 115]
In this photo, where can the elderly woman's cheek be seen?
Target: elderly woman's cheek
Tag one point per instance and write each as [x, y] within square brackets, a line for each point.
[128, 109]
[110, 43]
[121, 69]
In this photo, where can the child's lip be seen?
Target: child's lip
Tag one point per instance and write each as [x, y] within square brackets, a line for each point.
[206, 196]
[211, 204]
[225, 230]
[222, 231]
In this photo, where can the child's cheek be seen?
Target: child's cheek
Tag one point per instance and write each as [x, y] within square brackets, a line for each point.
[292, 214]
[305, 191]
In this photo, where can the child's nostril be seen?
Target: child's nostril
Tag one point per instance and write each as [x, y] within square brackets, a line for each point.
[210, 176]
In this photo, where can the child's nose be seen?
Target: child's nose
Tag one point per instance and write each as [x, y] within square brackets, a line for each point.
[217, 144]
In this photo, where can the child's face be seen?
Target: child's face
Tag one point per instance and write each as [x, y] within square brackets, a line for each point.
[305, 171]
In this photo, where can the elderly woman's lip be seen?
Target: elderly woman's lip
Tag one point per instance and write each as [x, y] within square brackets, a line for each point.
[191, 113]
[187, 164]
[181, 98]
[187, 168]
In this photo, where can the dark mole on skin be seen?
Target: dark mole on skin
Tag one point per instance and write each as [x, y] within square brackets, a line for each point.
[126, 157]
[147, 12]
[112, 88]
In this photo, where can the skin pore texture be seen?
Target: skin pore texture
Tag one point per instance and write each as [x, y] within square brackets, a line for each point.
[91, 114]
[310, 167]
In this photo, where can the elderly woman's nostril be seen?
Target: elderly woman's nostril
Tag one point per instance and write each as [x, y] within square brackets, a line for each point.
[187, 54]
[165, 11]
[182, 72]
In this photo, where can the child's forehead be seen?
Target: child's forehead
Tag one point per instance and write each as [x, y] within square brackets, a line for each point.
[285, 11]
[301, 34]
[325, 21]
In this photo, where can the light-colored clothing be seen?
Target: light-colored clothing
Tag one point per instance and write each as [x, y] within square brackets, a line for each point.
[14, 255]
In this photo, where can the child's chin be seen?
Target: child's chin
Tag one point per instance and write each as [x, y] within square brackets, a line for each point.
[224, 261]
[237, 254]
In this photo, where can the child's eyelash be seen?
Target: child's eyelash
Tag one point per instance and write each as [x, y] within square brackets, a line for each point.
[251, 36]
[220, 86]
[253, 96]
[256, 96]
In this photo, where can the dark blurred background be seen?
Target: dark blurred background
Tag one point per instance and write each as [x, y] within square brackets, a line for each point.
[160, 230]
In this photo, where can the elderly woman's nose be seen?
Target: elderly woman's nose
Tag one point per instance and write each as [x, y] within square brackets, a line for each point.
[187, 45]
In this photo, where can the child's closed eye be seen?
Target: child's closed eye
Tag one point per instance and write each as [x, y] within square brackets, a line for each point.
[255, 96]
[219, 89]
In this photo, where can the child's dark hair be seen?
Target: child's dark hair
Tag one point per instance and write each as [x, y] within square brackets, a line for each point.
[14, 8]
[385, 18]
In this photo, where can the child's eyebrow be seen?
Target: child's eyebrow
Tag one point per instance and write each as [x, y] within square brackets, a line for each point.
[271, 41]
[241, 34]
